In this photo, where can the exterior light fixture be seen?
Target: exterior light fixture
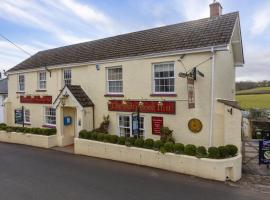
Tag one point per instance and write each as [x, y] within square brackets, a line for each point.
[124, 102]
[63, 99]
[140, 103]
[160, 103]
[109, 102]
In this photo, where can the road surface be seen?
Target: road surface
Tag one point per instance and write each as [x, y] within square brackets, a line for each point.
[28, 173]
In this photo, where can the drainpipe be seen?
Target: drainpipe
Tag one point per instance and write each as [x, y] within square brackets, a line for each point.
[93, 117]
[212, 97]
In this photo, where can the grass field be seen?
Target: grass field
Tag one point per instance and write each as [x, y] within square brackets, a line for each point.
[254, 101]
[255, 90]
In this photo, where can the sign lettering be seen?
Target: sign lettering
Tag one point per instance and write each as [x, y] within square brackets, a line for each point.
[36, 99]
[157, 123]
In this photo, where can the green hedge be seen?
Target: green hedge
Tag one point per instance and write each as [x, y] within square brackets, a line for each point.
[158, 145]
[36, 131]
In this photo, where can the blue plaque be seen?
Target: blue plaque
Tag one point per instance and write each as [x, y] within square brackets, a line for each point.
[67, 120]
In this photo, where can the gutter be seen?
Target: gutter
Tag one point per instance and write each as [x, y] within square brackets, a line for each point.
[212, 98]
[224, 47]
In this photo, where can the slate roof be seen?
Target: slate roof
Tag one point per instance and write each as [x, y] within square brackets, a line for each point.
[4, 86]
[205, 32]
[80, 95]
[233, 104]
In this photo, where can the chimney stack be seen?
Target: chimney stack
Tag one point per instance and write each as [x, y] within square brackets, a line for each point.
[215, 9]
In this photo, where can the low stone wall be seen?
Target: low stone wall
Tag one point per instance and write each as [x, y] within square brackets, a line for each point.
[29, 139]
[221, 170]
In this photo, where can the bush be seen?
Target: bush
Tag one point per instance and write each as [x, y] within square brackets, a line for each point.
[166, 135]
[169, 147]
[179, 148]
[232, 149]
[94, 136]
[157, 145]
[148, 143]
[139, 142]
[190, 150]
[106, 138]
[82, 134]
[223, 152]
[201, 152]
[121, 140]
[113, 139]
[100, 136]
[130, 141]
[213, 152]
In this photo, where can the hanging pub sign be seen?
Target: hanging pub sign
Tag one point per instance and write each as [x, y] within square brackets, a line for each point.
[191, 92]
[264, 152]
[36, 99]
[164, 107]
[157, 123]
[18, 116]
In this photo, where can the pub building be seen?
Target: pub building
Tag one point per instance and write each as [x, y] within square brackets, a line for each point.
[181, 76]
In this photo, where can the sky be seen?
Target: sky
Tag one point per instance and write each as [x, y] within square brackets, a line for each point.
[37, 25]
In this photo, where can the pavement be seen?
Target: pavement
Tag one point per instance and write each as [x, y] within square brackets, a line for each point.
[29, 173]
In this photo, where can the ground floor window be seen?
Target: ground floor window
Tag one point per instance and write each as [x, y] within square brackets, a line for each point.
[26, 116]
[125, 125]
[22, 116]
[50, 116]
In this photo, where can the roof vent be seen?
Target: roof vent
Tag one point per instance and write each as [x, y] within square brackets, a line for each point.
[215, 9]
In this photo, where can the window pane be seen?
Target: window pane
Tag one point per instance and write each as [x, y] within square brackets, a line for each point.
[67, 76]
[50, 116]
[115, 83]
[164, 77]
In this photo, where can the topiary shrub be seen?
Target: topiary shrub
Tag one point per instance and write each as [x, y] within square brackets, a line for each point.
[232, 149]
[179, 148]
[121, 140]
[139, 142]
[201, 152]
[113, 139]
[158, 144]
[169, 147]
[213, 152]
[106, 138]
[3, 126]
[190, 150]
[223, 152]
[148, 143]
[100, 137]
[130, 141]
[94, 136]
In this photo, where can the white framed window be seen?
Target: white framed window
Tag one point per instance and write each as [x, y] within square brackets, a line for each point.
[26, 116]
[42, 80]
[164, 78]
[114, 80]
[67, 76]
[21, 83]
[125, 125]
[50, 116]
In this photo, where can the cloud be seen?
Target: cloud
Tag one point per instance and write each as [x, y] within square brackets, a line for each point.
[261, 19]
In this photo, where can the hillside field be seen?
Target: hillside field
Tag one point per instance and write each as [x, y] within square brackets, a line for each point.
[261, 101]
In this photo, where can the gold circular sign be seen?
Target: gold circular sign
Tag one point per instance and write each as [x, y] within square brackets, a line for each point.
[195, 125]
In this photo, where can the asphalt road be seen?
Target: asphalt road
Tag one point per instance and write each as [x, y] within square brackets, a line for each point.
[28, 173]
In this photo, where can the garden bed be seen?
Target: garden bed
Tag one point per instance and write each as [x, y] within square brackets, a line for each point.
[28, 139]
[215, 169]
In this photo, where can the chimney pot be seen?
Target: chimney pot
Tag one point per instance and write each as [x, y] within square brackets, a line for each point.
[215, 9]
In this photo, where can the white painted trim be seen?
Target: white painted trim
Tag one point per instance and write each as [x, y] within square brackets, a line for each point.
[212, 98]
[107, 80]
[224, 47]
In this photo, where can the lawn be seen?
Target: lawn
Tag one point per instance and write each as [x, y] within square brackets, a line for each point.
[254, 101]
[255, 90]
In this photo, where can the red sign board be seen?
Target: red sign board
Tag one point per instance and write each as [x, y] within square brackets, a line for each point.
[157, 123]
[36, 99]
[164, 107]
[191, 93]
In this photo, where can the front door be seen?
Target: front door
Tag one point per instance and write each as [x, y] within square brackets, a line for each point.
[69, 125]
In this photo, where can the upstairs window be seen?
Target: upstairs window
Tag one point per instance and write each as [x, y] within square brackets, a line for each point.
[114, 80]
[21, 83]
[42, 80]
[67, 76]
[50, 116]
[164, 79]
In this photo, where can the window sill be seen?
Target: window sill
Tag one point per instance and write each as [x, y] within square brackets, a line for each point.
[41, 90]
[113, 95]
[163, 95]
[48, 126]
[21, 92]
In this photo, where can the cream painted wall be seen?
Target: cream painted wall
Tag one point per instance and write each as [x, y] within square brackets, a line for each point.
[137, 84]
